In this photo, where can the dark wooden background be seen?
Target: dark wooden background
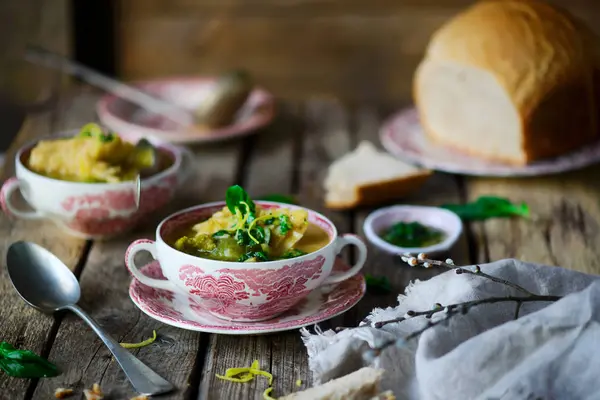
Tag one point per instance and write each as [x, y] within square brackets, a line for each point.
[356, 50]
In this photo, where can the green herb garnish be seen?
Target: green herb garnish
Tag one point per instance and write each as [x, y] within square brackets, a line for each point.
[293, 253]
[242, 238]
[378, 284]
[259, 255]
[488, 207]
[237, 199]
[105, 138]
[412, 234]
[25, 363]
[95, 131]
[284, 224]
[269, 221]
[280, 198]
[259, 233]
[246, 239]
[221, 233]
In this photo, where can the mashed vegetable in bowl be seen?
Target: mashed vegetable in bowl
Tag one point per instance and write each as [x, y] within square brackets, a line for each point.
[92, 156]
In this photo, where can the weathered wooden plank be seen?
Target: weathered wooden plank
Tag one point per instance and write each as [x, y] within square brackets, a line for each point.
[379, 43]
[270, 169]
[105, 282]
[21, 325]
[439, 189]
[564, 229]
[41, 22]
[382, 50]
[304, 7]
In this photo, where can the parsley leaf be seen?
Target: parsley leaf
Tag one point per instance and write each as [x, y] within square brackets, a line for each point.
[488, 207]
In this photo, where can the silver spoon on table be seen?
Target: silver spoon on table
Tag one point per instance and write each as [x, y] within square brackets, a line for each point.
[45, 283]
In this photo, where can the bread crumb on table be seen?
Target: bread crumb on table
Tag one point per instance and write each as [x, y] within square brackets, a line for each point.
[94, 394]
[96, 389]
[90, 395]
[62, 393]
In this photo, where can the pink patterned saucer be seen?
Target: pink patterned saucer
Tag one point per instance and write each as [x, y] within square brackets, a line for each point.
[134, 122]
[403, 136]
[184, 312]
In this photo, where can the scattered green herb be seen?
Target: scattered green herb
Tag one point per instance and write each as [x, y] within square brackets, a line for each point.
[258, 255]
[284, 224]
[237, 199]
[488, 207]
[104, 138]
[95, 130]
[412, 234]
[293, 253]
[242, 237]
[260, 234]
[269, 221]
[24, 363]
[378, 284]
[280, 198]
[221, 233]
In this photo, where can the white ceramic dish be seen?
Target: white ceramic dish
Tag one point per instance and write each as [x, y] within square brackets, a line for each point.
[177, 309]
[403, 136]
[435, 217]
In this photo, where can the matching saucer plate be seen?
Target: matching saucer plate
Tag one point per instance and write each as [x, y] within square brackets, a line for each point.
[184, 312]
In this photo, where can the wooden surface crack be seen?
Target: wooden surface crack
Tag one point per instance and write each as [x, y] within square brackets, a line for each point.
[547, 235]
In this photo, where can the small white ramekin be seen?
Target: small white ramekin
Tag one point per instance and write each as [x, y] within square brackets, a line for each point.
[446, 221]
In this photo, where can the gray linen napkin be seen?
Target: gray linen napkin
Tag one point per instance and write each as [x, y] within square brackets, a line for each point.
[551, 352]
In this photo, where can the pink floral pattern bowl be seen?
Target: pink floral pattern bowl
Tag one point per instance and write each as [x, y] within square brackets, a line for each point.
[177, 309]
[91, 210]
[187, 92]
[238, 291]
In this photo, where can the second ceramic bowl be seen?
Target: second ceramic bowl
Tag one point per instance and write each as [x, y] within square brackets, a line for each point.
[92, 210]
[446, 221]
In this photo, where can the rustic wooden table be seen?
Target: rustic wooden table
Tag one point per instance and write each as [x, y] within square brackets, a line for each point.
[291, 156]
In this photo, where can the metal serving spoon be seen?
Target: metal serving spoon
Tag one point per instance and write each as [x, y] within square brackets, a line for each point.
[45, 283]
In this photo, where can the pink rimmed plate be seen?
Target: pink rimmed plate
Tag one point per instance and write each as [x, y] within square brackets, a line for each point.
[185, 312]
[403, 136]
[134, 122]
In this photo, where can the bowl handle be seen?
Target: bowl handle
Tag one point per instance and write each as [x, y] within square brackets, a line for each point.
[341, 242]
[150, 247]
[8, 189]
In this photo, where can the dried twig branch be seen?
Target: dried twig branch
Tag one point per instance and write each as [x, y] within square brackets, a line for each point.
[452, 309]
[422, 259]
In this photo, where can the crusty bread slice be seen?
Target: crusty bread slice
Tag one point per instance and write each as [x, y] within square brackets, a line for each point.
[367, 176]
[359, 385]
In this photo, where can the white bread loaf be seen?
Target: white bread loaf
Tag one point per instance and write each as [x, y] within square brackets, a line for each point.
[359, 385]
[367, 176]
[509, 80]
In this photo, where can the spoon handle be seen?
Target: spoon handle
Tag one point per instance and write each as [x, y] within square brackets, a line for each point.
[142, 378]
[151, 103]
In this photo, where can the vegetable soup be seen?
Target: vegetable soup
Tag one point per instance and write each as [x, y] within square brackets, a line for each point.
[245, 232]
